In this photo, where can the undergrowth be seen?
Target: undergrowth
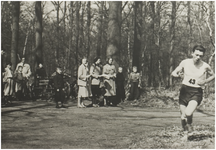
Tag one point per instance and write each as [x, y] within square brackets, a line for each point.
[173, 137]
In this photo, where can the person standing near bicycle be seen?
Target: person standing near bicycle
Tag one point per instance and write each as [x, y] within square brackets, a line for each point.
[194, 72]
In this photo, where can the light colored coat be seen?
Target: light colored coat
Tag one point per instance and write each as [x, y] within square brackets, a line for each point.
[95, 71]
[83, 82]
[26, 69]
[8, 87]
[109, 73]
[83, 71]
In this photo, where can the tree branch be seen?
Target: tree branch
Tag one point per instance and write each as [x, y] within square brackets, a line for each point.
[124, 5]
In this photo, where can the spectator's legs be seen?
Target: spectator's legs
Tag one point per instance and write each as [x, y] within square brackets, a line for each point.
[57, 96]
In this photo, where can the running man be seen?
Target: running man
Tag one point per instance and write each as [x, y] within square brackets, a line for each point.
[194, 72]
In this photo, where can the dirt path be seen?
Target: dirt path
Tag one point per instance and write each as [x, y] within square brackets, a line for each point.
[32, 125]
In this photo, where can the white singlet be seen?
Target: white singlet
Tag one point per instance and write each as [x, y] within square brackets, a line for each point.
[192, 74]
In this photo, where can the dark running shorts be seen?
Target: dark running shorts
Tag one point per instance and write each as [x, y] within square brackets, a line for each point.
[188, 93]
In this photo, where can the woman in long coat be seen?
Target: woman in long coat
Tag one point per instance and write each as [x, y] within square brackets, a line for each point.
[83, 83]
[109, 74]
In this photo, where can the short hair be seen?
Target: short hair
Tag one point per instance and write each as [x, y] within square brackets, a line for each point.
[135, 67]
[199, 48]
[83, 58]
[107, 61]
[96, 59]
[20, 67]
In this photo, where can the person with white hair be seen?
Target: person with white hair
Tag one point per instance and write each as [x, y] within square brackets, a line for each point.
[83, 83]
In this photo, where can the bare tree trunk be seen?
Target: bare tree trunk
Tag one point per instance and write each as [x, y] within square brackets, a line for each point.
[26, 40]
[82, 43]
[159, 44]
[172, 40]
[77, 31]
[190, 27]
[57, 32]
[152, 46]
[15, 33]
[114, 30]
[88, 27]
[69, 60]
[137, 33]
[100, 27]
[56, 53]
[38, 35]
[65, 10]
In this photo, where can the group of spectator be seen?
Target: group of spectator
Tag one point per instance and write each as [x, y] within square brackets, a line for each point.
[17, 81]
[105, 83]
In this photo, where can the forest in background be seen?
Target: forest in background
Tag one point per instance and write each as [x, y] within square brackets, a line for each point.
[153, 35]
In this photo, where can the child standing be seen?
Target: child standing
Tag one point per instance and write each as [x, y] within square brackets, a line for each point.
[134, 84]
[120, 91]
[19, 79]
[59, 87]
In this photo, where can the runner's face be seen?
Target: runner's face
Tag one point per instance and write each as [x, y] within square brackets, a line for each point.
[197, 56]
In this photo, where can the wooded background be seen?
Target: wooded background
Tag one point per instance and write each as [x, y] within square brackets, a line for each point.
[153, 35]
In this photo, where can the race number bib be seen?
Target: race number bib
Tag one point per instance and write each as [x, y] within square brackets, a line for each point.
[192, 81]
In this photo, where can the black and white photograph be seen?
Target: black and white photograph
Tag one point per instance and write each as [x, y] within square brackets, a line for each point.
[107, 74]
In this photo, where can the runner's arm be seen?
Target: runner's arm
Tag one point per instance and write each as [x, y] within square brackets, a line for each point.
[211, 73]
[178, 70]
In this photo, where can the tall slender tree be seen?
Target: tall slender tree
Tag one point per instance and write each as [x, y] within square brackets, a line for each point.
[38, 33]
[172, 40]
[88, 27]
[15, 32]
[77, 27]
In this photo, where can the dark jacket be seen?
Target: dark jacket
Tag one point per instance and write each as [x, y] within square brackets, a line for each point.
[41, 72]
[120, 79]
[18, 77]
[58, 81]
